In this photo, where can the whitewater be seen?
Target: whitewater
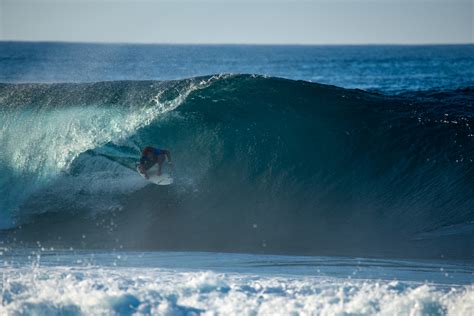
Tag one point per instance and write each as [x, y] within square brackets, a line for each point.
[60, 282]
[303, 187]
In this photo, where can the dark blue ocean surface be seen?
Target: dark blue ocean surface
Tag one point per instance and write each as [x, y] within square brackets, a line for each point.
[385, 68]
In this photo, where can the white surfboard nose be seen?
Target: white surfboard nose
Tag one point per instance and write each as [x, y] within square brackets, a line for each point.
[163, 179]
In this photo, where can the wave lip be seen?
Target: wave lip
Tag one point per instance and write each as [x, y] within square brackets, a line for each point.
[47, 126]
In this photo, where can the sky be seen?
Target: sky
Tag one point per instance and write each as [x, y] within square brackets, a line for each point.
[239, 22]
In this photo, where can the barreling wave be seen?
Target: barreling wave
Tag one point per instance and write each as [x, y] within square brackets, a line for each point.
[261, 164]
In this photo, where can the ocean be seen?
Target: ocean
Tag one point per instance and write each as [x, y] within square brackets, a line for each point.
[309, 180]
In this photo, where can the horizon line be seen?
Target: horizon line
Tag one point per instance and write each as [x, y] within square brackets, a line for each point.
[237, 44]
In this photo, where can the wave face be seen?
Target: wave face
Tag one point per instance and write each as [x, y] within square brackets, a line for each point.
[261, 164]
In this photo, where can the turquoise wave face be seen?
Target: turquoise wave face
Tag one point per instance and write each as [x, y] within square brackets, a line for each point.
[261, 164]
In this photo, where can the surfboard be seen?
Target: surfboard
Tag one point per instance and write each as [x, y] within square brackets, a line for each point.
[164, 179]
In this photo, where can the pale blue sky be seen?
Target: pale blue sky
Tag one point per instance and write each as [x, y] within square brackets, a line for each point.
[231, 21]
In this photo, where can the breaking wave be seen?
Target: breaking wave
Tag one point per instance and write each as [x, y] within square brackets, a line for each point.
[261, 164]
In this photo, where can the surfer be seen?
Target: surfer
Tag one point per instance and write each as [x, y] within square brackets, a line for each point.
[150, 156]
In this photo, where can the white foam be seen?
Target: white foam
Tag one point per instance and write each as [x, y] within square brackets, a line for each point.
[106, 291]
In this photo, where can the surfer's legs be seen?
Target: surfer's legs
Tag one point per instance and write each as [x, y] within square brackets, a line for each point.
[168, 155]
[160, 159]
